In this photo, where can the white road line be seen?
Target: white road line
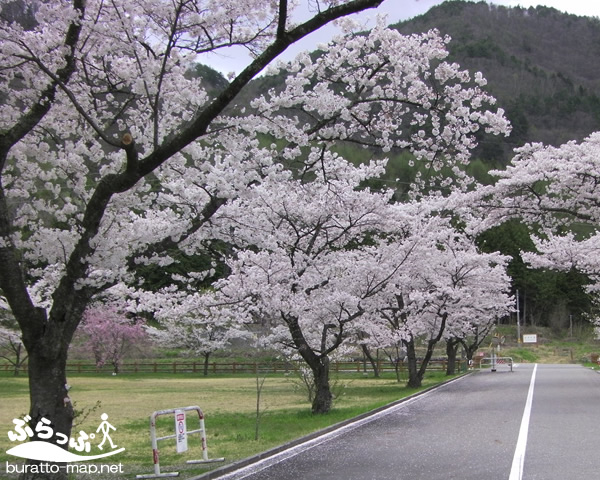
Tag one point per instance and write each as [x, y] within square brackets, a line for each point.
[516, 472]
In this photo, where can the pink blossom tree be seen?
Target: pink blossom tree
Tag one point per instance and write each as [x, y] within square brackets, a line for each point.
[110, 335]
[314, 275]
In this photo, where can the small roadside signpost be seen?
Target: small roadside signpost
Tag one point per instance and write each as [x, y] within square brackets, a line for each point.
[180, 436]
[180, 431]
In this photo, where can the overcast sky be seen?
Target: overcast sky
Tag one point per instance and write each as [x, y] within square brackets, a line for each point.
[234, 60]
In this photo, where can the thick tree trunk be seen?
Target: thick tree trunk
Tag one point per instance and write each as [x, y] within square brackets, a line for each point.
[206, 364]
[451, 349]
[414, 377]
[318, 363]
[49, 399]
[323, 398]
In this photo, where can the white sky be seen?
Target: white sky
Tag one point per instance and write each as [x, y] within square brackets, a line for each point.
[235, 59]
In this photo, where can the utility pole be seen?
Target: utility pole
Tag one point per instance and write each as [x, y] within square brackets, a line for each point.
[518, 320]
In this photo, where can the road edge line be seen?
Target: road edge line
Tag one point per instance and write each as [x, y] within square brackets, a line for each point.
[516, 471]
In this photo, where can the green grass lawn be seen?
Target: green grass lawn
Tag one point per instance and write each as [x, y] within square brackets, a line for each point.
[228, 403]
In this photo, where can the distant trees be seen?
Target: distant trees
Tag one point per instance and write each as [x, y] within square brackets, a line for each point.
[457, 291]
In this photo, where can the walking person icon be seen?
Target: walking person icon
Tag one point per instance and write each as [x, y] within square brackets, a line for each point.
[105, 427]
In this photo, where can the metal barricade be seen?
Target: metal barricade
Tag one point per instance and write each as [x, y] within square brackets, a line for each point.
[182, 430]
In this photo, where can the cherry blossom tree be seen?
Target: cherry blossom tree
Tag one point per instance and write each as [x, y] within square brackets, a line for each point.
[199, 326]
[110, 335]
[317, 266]
[100, 125]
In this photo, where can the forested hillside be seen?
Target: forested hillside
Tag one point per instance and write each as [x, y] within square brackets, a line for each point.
[542, 65]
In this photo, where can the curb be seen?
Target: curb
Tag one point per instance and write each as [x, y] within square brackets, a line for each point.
[232, 467]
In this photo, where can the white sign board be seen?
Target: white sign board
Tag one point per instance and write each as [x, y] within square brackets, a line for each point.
[180, 431]
[530, 338]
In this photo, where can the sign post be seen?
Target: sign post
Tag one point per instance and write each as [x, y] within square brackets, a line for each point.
[180, 431]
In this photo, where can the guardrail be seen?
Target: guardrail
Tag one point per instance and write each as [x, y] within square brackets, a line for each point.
[235, 367]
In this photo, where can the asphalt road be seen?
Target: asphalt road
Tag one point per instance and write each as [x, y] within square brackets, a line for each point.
[471, 429]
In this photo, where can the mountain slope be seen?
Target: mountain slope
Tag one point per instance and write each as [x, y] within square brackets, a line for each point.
[541, 64]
